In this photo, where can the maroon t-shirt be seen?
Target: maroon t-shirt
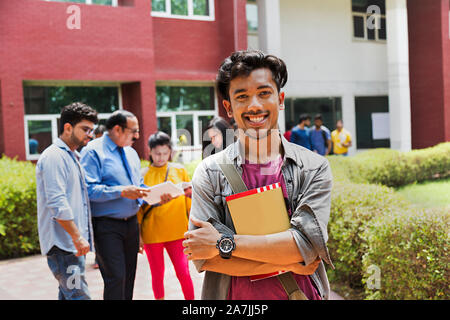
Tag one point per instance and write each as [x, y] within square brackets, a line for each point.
[241, 288]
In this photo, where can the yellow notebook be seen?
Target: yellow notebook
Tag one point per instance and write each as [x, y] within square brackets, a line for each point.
[259, 211]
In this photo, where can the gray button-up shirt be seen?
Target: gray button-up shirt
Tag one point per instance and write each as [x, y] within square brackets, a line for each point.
[61, 194]
[308, 181]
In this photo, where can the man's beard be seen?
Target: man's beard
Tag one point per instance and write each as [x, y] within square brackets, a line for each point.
[77, 142]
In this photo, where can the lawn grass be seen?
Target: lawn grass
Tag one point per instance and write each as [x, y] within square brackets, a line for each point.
[430, 194]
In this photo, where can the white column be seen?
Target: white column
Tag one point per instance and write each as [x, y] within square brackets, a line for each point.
[398, 73]
[269, 34]
[349, 118]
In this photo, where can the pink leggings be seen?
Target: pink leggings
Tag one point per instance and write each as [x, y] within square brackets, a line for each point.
[155, 256]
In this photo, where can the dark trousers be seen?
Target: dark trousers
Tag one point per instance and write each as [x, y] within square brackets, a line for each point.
[117, 246]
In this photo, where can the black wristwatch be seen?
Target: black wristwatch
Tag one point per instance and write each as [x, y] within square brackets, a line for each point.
[226, 245]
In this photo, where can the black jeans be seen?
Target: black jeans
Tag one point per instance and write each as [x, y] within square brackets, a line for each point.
[117, 246]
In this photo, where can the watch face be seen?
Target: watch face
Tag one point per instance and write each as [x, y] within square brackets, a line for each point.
[226, 245]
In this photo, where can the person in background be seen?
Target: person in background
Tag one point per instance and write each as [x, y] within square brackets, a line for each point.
[64, 215]
[218, 135]
[99, 131]
[341, 138]
[287, 134]
[162, 226]
[300, 134]
[116, 190]
[320, 137]
[33, 146]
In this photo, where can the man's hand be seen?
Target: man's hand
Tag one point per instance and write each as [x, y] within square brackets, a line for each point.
[201, 243]
[133, 192]
[166, 197]
[141, 244]
[305, 270]
[188, 192]
[81, 245]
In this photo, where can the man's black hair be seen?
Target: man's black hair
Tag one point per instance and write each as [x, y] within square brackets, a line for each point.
[100, 129]
[318, 116]
[118, 117]
[75, 113]
[303, 117]
[242, 63]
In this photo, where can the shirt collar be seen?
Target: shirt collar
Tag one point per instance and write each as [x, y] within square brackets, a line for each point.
[109, 143]
[237, 152]
[59, 143]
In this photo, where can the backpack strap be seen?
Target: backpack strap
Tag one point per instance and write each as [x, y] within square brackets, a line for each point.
[230, 172]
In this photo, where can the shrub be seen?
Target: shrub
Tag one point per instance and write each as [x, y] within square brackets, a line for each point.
[410, 248]
[353, 207]
[18, 212]
[340, 167]
[431, 163]
[395, 168]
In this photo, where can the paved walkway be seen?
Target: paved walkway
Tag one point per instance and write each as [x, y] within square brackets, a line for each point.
[30, 279]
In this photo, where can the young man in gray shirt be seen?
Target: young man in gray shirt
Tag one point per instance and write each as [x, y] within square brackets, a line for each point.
[250, 83]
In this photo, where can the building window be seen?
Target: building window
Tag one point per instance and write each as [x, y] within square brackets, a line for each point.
[184, 9]
[185, 110]
[251, 9]
[99, 2]
[330, 109]
[369, 20]
[372, 122]
[43, 106]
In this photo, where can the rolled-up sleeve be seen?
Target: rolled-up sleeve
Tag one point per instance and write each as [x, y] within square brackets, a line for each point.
[203, 206]
[310, 219]
[55, 178]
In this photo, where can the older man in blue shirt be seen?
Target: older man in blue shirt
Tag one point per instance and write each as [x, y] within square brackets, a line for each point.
[64, 216]
[115, 188]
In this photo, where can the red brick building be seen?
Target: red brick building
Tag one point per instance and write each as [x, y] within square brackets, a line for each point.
[116, 55]
[159, 60]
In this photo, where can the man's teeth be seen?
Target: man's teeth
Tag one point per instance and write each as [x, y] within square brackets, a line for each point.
[256, 119]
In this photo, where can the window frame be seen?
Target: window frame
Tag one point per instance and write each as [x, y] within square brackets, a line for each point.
[253, 32]
[53, 117]
[376, 31]
[190, 16]
[196, 142]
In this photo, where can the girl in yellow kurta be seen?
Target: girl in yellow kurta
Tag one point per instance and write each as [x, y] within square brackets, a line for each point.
[164, 226]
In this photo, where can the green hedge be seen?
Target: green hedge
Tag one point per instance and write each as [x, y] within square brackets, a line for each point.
[18, 213]
[411, 250]
[353, 207]
[395, 168]
[372, 225]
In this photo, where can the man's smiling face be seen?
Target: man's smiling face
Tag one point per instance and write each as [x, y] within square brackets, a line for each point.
[255, 103]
